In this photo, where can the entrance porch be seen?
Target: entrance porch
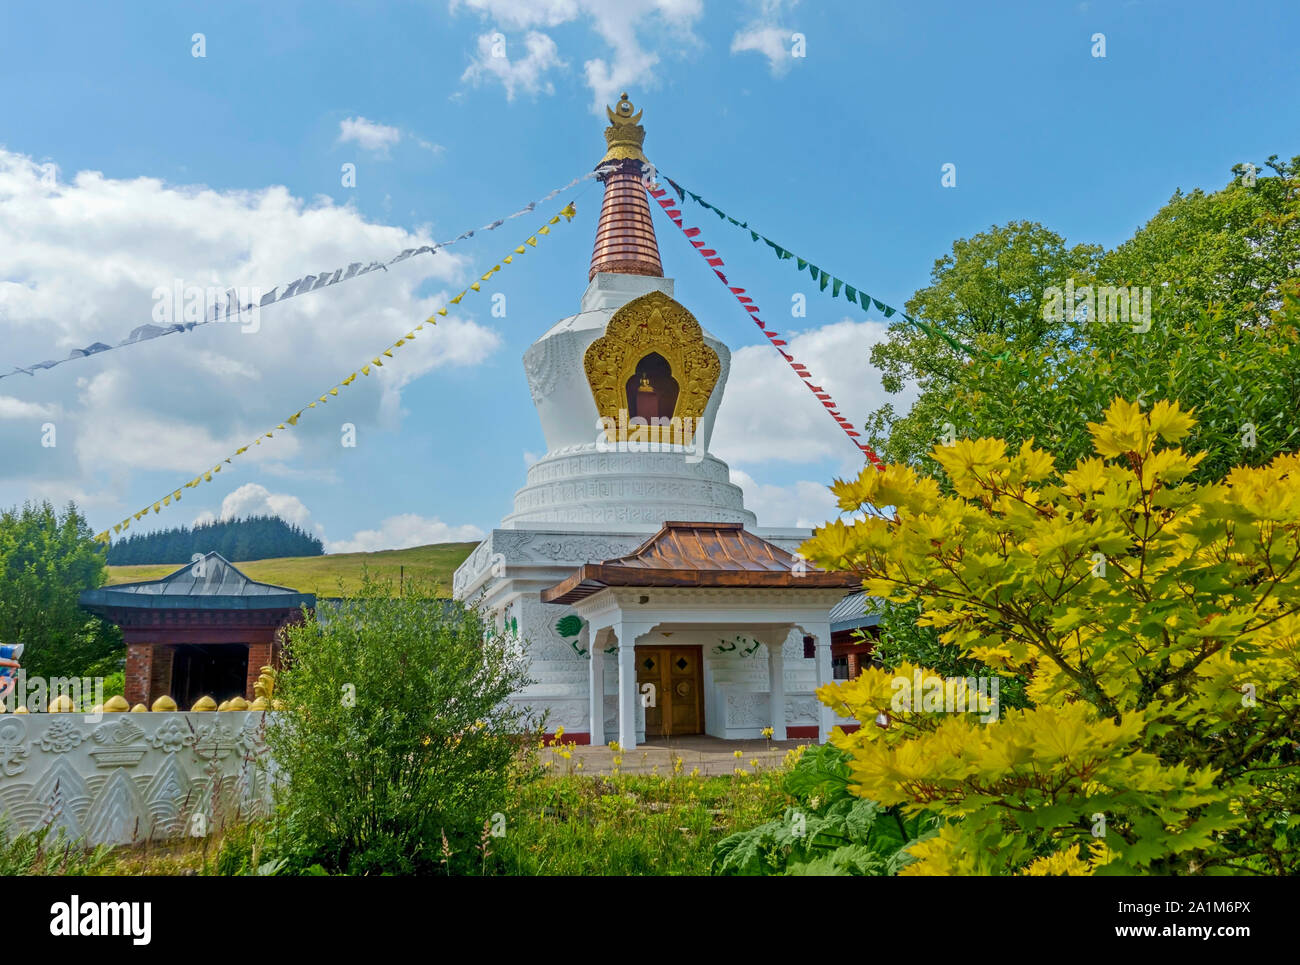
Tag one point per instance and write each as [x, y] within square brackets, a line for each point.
[693, 633]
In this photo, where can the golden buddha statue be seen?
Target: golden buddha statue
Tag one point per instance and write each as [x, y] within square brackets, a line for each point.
[645, 385]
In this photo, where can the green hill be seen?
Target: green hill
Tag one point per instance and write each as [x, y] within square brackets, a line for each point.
[322, 575]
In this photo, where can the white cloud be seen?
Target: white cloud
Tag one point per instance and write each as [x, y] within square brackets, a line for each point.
[526, 73]
[252, 499]
[630, 29]
[399, 532]
[79, 262]
[370, 135]
[768, 35]
[377, 138]
[11, 408]
[804, 504]
[768, 414]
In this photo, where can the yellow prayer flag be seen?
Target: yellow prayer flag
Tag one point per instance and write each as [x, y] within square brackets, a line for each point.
[456, 300]
[519, 250]
[157, 507]
[399, 343]
[349, 380]
[531, 241]
[375, 361]
[268, 435]
[475, 287]
[569, 210]
[217, 467]
[117, 527]
[508, 259]
[207, 477]
[167, 500]
[388, 352]
[280, 426]
[293, 419]
[241, 450]
[410, 334]
[488, 275]
[441, 311]
[334, 391]
[544, 230]
[555, 220]
[365, 370]
[102, 537]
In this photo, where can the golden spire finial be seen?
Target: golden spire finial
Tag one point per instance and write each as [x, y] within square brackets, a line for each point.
[625, 135]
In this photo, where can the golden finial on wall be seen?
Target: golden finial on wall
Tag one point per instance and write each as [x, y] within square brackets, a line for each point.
[625, 135]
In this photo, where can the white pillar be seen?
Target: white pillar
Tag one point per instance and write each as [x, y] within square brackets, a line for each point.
[628, 698]
[776, 684]
[595, 684]
[821, 633]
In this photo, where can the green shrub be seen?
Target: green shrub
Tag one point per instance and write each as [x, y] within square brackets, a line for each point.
[827, 831]
[396, 731]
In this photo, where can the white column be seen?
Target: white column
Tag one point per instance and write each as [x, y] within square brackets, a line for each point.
[776, 683]
[628, 698]
[821, 632]
[595, 683]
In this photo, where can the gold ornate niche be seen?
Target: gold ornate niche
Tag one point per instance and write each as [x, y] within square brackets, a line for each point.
[652, 323]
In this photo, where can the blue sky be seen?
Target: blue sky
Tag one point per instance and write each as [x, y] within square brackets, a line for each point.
[225, 169]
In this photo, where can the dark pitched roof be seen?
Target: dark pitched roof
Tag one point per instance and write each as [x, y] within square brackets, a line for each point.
[215, 584]
[699, 555]
[851, 613]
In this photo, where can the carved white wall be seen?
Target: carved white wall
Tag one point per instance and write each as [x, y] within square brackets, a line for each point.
[127, 778]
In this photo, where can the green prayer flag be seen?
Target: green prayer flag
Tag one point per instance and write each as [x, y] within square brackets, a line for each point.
[824, 280]
[835, 288]
[785, 255]
[754, 235]
[677, 187]
[814, 270]
[851, 293]
[733, 220]
[719, 213]
[802, 264]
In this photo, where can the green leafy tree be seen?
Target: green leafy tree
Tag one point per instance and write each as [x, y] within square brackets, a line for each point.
[1224, 341]
[1157, 621]
[396, 731]
[1222, 268]
[46, 559]
[988, 294]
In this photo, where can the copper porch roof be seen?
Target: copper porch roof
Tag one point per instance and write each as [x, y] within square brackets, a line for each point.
[699, 555]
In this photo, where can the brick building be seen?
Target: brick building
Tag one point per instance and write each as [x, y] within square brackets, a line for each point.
[205, 630]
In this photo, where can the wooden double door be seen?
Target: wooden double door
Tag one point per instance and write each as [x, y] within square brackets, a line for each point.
[670, 684]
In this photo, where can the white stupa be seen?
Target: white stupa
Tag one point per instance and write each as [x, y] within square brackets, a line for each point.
[627, 391]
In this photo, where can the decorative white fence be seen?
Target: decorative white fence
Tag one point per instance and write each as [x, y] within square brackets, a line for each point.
[125, 778]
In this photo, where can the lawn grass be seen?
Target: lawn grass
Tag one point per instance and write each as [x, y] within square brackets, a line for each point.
[630, 824]
[324, 575]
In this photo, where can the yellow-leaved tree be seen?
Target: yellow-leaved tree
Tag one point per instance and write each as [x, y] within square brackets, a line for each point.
[1157, 621]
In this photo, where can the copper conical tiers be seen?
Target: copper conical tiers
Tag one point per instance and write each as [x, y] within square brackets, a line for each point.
[625, 235]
